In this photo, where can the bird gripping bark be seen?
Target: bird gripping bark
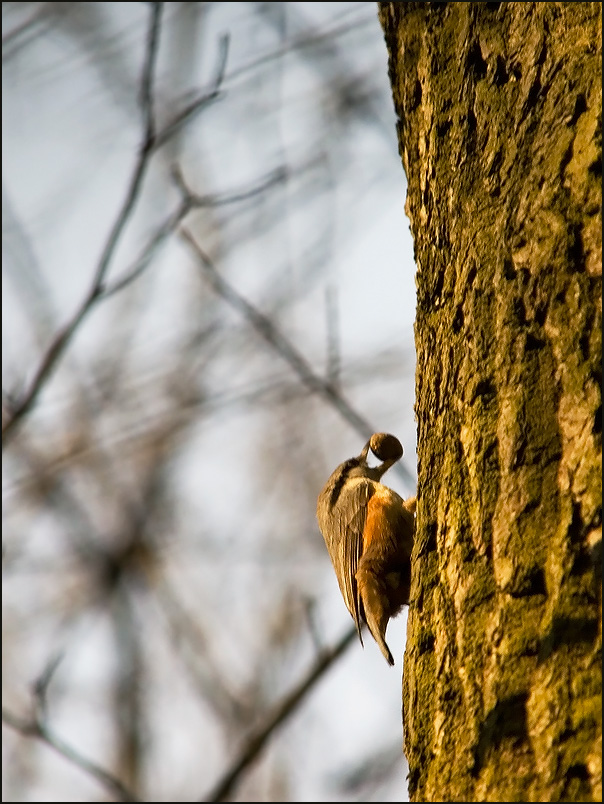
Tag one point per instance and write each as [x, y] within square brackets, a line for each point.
[368, 530]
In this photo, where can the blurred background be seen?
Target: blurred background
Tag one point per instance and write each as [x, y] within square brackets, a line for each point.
[208, 302]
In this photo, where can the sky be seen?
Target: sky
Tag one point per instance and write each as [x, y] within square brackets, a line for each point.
[326, 255]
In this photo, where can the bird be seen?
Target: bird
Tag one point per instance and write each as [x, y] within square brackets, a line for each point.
[368, 530]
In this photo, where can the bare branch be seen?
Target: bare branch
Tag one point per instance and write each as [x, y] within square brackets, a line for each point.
[142, 263]
[275, 338]
[59, 343]
[43, 682]
[144, 153]
[22, 33]
[193, 109]
[196, 201]
[34, 728]
[189, 201]
[255, 741]
[147, 99]
[304, 41]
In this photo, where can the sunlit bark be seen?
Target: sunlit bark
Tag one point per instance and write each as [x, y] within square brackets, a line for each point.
[499, 108]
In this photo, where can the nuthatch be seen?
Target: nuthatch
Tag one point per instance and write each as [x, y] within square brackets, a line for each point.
[368, 530]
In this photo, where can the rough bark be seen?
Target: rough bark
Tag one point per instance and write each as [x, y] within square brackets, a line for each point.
[499, 108]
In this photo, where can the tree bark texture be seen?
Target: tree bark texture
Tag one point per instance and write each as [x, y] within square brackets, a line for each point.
[499, 121]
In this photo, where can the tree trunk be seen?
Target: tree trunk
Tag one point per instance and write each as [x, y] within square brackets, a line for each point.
[499, 108]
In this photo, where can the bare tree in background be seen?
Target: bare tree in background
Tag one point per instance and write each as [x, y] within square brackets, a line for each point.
[499, 109]
[177, 385]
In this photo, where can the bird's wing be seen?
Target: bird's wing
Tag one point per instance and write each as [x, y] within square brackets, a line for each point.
[350, 514]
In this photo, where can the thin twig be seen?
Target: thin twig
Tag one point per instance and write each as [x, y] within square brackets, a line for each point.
[142, 262]
[144, 153]
[33, 728]
[257, 738]
[275, 338]
[197, 201]
[190, 200]
[59, 343]
[15, 39]
[305, 40]
[147, 99]
[151, 141]
[193, 109]
[40, 689]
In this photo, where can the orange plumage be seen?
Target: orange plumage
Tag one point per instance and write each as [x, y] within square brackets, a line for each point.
[368, 530]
